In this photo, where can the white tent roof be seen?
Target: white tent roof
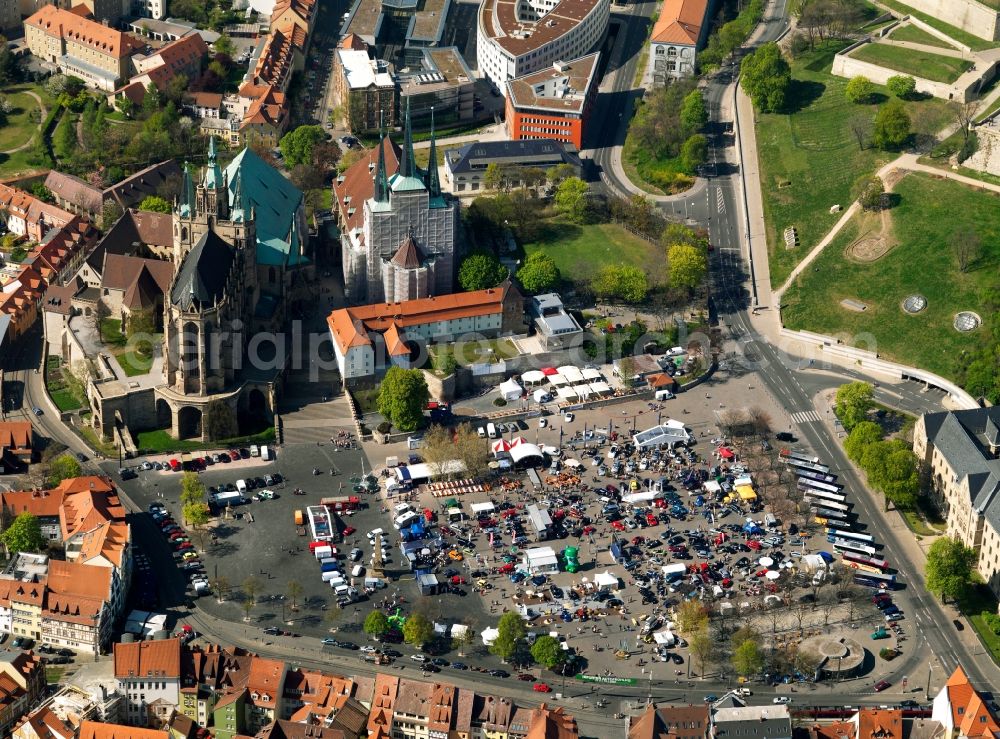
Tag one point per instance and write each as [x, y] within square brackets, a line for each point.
[558, 380]
[600, 387]
[489, 635]
[523, 451]
[571, 373]
[533, 376]
[567, 392]
[483, 507]
[589, 373]
[510, 389]
[605, 579]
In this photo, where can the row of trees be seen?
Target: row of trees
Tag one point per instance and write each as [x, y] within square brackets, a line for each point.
[668, 125]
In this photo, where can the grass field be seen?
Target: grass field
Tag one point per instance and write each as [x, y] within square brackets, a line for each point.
[973, 42]
[977, 605]
[932, 67]
[922, 262]
[472, 352]
[580, 251]
[918, 36]
[22, 122]
[160, 441]
[658, 176]
[809, 158]
[423, 156]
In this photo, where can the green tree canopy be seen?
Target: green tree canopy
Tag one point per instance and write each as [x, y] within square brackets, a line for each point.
[694, 115]
[376, 624]
[766, 76]
[192, 488]
[691, 616]
[538, 273]
[892, 468]
[402, 397]
[621, 282]
[863, 435]
[481, 269]
[902, 86]
[24, 535]
[418, 629]
[688, 266]
[950, 567]
[694, 152]
[220, 420]
[748, 658]
[859, 90]
[196, 514]
[297, 145]
[63, 467]
[853, 402]
[511, 631]
[548, 652]
[892, 125]
[870, 190]
[571, 199]
[155, 204]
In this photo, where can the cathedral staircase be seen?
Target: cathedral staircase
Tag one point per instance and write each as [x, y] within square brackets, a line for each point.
[313, 410]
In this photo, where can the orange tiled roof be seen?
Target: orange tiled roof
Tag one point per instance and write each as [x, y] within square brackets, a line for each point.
[46, 724]
[148, 658]
[79, 579]
[878, 723]
[70, 25]
[95, 730]
[265, 681]
[108, 540]
[268, 108]
[15, 435]
[39, 503]
[358, 185]
[680, 22]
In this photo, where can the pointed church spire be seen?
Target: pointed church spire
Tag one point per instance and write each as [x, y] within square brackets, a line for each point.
[433, 183]
[213, 175]
[239, 212]
[381, 178]
[408, 164]
[187, 191]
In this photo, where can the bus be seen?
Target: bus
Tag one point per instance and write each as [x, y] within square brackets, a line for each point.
[818, 476]
[823, 494]
[840, 527]
[788, 455]
[862, 562]
[815, 500]
[852, 547]
[810, 466]
[875, 579]
[829, 513]
[827, 486]
[866, 538]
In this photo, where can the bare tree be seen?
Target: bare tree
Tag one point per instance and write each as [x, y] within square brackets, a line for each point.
[968, 246]
[861, 125]
[966, 115]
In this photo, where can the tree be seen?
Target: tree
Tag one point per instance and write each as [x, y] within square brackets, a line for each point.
[64, 137]
[694, 152]
[861, 126]
[694, 115]
[155, 203]
[297, 145]
[870, 190]
[548, 652]
[196, 515]
[192, 488]
[8, 63]
[220, 421]
[892, 468]
[101, 313]
[622, 282]
[748, 659]
[966, 115]
[481, 269]
[151, 100]
[766, 76]
[470, 450]
[539, 273]
[702, 648]
[402, 397]
[418, 629]
[860, 90]
[221, 586]
[968, 246]
[853, 402]
[902, 86]
[571, 199]
[63, 467]
[950, 567]
[23, 535]
[40, 191]
[224, 45]
[861, 437]
[294, 590]
[559, 172]
[496, 178]
[376, 624]
[511, 631]
[691, 617]
[688, 266]
[892, 125]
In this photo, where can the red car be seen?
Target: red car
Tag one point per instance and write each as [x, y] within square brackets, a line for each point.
[234, 455]
[617, 525]
[445, 530]
[506, 569]
[458, 580]
[588, 530]
[651, 519]
[637, 540]
[882, 685]
[543, 688]
[184, 545]
[175, 466]
[349, 530]
[755, 545]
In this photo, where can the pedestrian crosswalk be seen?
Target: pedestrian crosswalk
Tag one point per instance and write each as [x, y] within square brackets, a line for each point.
[720, 201]
[805, 416]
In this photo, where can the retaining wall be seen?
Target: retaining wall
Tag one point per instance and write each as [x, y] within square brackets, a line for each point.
[969, 15]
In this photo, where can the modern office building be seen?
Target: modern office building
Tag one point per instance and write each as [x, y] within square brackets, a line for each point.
[553, 103]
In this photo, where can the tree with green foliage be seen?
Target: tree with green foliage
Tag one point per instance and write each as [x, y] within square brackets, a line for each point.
[196, 514]
[859, 90]
[402, 397]
[480, 270]
[224, 45]
[870, 192]
[63, 467]
[766, 77]
[559, 172]
[297, 145]
[621, 282]
[902, 86]
[863, 435]
[539, 273]
[892, 468]
[688, 266]
[677, 233]
[748, 658]
[694, 114]
[40, 191]
[572, 199]
[548, 652]
[23, 535]
[418, 630]
[155, 204]
[511, 631]
[192, 488]
[64, 137]
[694, 152]
[376, 624]
[220, 421]
[691, 616]
[703, 649]
[853, 401]
[892, 125]
[950, 568]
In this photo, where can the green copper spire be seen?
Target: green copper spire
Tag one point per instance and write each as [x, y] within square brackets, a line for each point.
[381, 181]
[187, 192]
[433, 184]
[408, 163]
[213, 174]
[238, 209]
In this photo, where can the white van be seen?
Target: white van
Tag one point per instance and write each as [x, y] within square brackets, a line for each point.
[241, 487]
[400, 508]
[375, 532]
[265, 453]
[770, 521]
[357, 571]
[375, 583]
[482, 432]
[404, 520]
[491, 430]
[254, 450]
[663, 395]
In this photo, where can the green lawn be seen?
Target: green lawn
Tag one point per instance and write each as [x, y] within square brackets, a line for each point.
[809, 159]
[160, 441]
[973, 42]
[922, 262]
[65, 390]
[472, 352]
[658, 176]
[918, 36]
[976, 605]
[580, 251]
[22, 122]
[423, 156]
[111, 332]
[135, 363]
[107, 448]
[932, 67]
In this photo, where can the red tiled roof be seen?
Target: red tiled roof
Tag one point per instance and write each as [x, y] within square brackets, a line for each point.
[358, 184]
[680, 22]
[70, 25]
[161, 658]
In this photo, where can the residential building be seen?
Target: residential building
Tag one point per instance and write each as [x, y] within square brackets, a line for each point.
[133, 284]
[79, 196]
[282, 54]
[78, 608]
[364, 89]
[26, 602]
[440, 89]
[149, 677]
[44, 505]
[184, 56]
[61, 250]
[27, 215]
[282, 729]
[211, 677]
[81, 46]
[265, 121]
[43, 723]
[553, 103]
[867, 723]
[961, 450]
[752, 722]
[94, 730]
[551, 723]
[465, 167]
[61, 715]
[366, 339]
[17, 446]
[679, 32]
[154, 9]
[962, 711]
[22, 683]
[298, 13]
[405, 246]
[229, 715]
[675, 722]
[555, 327]
[204, 104]
[20, 299]
[265, 686]
[514, 39]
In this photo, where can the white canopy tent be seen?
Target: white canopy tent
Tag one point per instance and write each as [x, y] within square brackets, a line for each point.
[510, 390]
[572, 373]
[600, 388]
[533, 377]
[519, 452]
[606, 581]
[489, 635]
[558, 380]
[567, 393]
[591, 373]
